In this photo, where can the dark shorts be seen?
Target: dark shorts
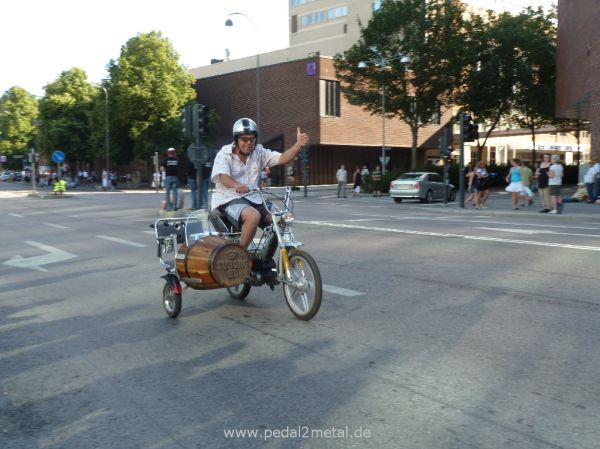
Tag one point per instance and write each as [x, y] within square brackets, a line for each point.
[234, 209]
[555, 190]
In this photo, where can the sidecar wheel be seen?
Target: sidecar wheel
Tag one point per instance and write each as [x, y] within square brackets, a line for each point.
[239, 291]
[171, 301]
[303, 298]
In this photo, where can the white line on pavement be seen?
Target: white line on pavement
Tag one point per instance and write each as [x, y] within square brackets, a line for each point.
[16, 215]
[439, 234]
[124, 242]
[56, 226]
[341, 291]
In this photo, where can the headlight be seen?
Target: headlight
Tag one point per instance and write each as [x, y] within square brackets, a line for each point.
[288, 218]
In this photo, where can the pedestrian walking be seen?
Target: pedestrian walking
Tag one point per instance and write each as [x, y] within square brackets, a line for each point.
[376, 177]
[342, 178]
[470, 185]
[541, 175]
[357, 182]
[555, 175]
[515, 180]
[527, 174]
[480, 179]
[171, 169]
[590, 177]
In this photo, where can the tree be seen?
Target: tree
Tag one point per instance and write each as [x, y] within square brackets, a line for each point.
[18, 115]
[510, 73]
[414, 51]
[534, 90]
[148, 88]
[65, 116]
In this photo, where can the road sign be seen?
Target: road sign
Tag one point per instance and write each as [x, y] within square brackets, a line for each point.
[197, 153]
[387, 159]
[58, 156]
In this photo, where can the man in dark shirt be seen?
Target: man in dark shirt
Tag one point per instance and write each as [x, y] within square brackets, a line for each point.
[171, 166]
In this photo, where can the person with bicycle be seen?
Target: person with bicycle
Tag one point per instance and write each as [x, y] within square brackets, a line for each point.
[236, 170]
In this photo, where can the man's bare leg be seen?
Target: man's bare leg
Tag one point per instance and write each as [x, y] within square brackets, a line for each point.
[250, 218]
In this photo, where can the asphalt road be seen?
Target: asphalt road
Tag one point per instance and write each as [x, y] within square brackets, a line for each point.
[440, 328]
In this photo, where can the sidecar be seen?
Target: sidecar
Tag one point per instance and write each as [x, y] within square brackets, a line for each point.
[195, 254]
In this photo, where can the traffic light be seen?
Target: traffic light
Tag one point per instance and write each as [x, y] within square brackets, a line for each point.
[470, 130]
[188, 121]
[472, 133]
[202, 119]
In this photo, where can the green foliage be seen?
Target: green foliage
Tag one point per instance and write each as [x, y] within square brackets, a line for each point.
[148, 88]
[430, 35]
[18, 115]
[65, 116]
[512, 69]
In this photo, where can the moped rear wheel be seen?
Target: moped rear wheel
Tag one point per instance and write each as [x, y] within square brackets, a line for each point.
[239, 291]
[171, 301]
[304, 291]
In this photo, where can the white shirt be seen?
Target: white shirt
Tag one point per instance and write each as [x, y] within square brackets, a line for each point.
[342, 175]
[556, 180]
[590, 175]
[228, 163]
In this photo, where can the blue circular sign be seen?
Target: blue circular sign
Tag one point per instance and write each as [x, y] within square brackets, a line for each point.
[58, 156]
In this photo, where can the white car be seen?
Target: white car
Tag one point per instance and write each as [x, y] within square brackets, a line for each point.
[423, 186]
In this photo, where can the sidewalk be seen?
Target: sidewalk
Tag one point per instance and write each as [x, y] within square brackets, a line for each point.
[499, 203]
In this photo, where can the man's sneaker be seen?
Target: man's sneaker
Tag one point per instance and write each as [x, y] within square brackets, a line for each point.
[553, 212]
[544, 211]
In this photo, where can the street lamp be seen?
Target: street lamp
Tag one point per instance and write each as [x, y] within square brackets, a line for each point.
[106, 131]
[382, 62]
[229, 23]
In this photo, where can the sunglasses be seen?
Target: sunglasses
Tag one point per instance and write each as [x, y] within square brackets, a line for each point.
[248, 139]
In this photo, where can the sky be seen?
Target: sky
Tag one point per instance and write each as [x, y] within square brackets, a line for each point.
[39, 39]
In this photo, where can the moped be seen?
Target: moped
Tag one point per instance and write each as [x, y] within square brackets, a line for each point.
[202, 251]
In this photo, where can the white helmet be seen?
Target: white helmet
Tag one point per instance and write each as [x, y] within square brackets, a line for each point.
[245, 126]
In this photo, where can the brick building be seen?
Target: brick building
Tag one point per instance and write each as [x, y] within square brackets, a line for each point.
[305, 93]
[578, 65]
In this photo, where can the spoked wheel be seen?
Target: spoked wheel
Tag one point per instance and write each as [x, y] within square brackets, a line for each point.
[303, 294]
[239, 291]
[171, 301]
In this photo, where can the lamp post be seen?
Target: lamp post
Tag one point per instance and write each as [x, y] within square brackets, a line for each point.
[229, 23]
[382, 62]
[106, 132]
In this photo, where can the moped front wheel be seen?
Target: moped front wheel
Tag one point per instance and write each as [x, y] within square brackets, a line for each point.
[239, 291]
[171, 301]
[304, 290]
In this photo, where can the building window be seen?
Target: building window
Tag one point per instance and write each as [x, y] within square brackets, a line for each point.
[323, 16]
[294, 23]
[299, 2]
[329, 93]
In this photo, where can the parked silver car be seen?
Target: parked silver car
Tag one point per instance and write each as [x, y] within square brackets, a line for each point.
[423, 186]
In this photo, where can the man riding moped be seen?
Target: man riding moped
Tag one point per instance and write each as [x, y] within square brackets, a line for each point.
[236, 170]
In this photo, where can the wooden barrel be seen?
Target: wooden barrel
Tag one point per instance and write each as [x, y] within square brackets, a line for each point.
[213, 262]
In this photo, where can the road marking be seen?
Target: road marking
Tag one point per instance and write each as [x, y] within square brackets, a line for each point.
[56, 226]
[341, 291]
[461, 236]
[36, 262]
[124, 242]
[150, 232]
[354, 220]
[539, 231]
[16, 215]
